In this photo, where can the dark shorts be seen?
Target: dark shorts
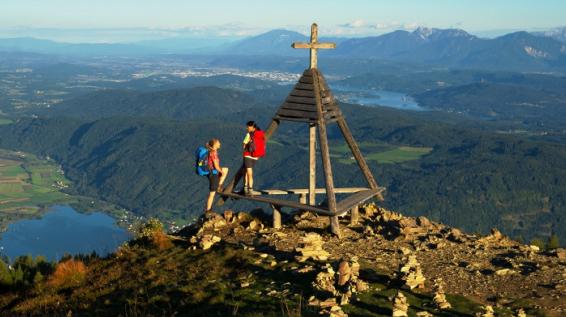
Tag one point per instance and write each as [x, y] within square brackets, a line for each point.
[213, 182]
[249, 163]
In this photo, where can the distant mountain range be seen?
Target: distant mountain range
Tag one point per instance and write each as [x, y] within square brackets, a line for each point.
[519, 51]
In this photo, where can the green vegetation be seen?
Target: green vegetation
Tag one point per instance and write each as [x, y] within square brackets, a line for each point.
[475, 180]
[27, 183]
[5, 121]
[383, 154]
[144, 280]
[24, 272]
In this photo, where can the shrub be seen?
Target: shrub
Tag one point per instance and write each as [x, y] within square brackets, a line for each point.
[68, 273]
[152, 232]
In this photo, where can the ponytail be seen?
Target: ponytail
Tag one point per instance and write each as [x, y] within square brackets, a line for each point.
[253, 124]
[210, 144]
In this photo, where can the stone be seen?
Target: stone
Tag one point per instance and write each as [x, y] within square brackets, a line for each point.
[400, 306]
[208, 240]
[487, 311]
[311, 248]
[503, 272]
[244, 217]
[561, 254]
[344, 273]
[410, 273]
[439, 297]
[228, 215]
[361, 286]
[324, 281]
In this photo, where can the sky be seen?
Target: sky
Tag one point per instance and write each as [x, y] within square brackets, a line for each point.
[123, 20]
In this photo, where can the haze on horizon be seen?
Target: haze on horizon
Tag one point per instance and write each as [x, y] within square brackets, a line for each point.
[131, 20]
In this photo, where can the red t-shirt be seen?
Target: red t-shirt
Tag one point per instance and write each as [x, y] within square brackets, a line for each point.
[213, 156]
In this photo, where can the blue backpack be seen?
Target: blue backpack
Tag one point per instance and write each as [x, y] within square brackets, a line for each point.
[202, 168]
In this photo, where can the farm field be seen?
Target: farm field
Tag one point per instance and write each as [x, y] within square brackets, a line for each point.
[27, 184]
[381, 153]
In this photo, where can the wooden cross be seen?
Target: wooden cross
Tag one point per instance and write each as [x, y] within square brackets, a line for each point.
[314, 45]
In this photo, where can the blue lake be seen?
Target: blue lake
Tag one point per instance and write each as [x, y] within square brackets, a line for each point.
[62, 230]
[368, 97]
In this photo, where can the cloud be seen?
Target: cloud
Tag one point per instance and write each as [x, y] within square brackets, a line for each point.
[354, 24]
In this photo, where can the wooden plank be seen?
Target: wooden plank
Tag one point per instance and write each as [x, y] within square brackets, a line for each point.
[302, 93]
[306, 80]
[312, 165]
[274, 192]
[297, 114]
[279, 202]
[295, 119]
[298, 106]
[302, 191]
[300, 86]
[323, 45]
[356, 199]
[301, 100]
[357, 154]
[342, 190]
[276, 216]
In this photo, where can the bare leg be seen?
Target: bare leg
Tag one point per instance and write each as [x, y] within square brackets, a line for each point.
[250, 177]
[224, 174]
[209, 201]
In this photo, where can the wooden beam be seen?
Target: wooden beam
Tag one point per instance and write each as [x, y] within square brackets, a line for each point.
[276, 216]
[355, 215]
[317, 45]
[312, 164]
[326, 165]
[358, 155]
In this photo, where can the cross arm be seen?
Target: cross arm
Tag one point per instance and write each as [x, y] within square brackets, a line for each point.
[314, 45]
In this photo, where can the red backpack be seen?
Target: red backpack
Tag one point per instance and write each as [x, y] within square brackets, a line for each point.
[258, 139]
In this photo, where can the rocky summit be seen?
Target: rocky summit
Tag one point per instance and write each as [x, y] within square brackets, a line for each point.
[385, 265]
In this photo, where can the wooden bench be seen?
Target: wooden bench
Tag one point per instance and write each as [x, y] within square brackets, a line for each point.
[360, 195]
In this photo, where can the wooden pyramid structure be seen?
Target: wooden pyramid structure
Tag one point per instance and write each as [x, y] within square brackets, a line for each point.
[312, 102]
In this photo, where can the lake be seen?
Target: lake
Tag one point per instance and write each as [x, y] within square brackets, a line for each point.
[368, 97]
[62, 230]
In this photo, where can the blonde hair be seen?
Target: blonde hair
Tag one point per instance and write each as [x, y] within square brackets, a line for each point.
[211, 142]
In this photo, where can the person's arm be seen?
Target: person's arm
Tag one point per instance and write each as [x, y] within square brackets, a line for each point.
[216, 165]
[246, 140]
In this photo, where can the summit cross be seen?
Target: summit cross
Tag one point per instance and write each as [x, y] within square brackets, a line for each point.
[314, 45]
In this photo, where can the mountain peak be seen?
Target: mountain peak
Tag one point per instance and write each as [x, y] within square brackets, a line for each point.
[436, 34]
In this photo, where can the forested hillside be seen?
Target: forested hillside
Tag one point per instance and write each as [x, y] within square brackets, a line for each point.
[471, 179]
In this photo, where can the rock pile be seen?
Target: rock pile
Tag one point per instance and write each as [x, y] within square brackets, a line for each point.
[311, 248]
[400, 306]
[410, 273]
[439, 296]
[324, 280]
[521, 313]
[487, 312]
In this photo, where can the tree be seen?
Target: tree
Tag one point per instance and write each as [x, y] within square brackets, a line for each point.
[538, 242]
[5, 275]
[553, 242]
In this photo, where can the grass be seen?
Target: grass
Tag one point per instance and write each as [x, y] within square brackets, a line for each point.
[381, 153]
[144, 280]
[27, 183]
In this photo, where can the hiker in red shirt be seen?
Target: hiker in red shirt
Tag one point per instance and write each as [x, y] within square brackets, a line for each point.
[217, 174]
[254, 148]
